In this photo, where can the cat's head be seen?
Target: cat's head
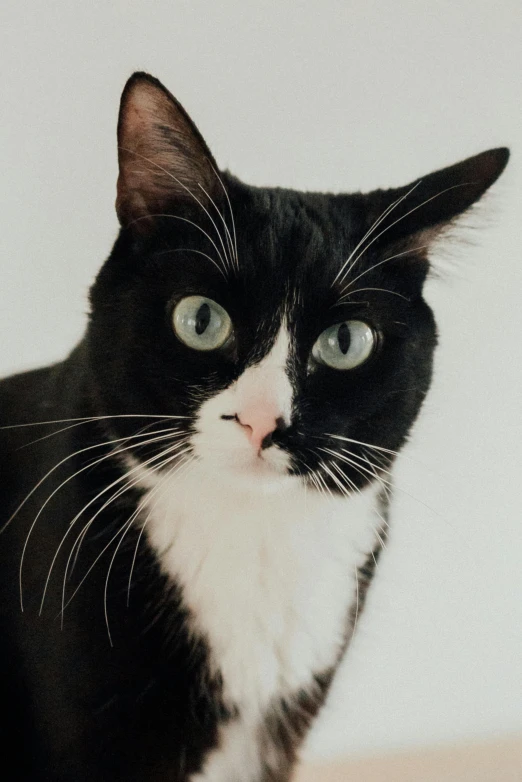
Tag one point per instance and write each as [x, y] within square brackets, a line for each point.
[287, 330]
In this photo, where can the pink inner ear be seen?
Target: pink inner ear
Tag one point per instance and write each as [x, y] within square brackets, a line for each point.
[162, 157]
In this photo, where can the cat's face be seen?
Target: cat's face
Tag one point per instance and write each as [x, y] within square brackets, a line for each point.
[287, 330]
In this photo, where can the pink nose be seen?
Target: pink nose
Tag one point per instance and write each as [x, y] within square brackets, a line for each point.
[258, 424]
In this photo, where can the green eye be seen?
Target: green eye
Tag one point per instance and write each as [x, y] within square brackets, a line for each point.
[201, 323]
[345, 345]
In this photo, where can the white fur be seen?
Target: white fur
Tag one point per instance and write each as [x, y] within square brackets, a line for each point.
[267, 568]
[223, 444]
[237, 759]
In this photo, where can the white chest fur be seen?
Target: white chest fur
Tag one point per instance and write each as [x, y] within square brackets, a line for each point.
[267, 569]
[268, 578]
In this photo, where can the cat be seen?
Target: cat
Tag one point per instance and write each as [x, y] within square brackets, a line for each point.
[193, 503]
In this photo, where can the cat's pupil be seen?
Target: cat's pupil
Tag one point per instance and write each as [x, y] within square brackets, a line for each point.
[202, 319]
[343, 338]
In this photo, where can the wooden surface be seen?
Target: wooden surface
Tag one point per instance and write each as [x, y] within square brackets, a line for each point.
[499, 761]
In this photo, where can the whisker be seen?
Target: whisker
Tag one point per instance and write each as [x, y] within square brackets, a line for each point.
[382, 480]
[310, 476]
[141, 505]
[372, 464]
[88, 419]
[123, 533]
[76, 549]
[360, 290]
[56, 466]
[345, 477]
[378, 534]
[70, 478]
[380, 263]
[119, 492]
[71, 524]
[360, 458]
[101, 553]
[359, 442]
[376, 448]
[133, 563]
[385, 488]
[184, 220]
[230, 209]
[322, 480]
[73, 426]
[174, 434]
[126, 529]
[441, 192]
[336, 480]
[346, 459]
[169, 474]
[227, 232]
[356, 488]
[368, 233]
[189, 191]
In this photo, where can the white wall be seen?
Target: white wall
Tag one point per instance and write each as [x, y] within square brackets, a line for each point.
[333, 95]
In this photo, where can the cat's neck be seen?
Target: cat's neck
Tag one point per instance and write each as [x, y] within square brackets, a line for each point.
[270, 581]
[268, 577]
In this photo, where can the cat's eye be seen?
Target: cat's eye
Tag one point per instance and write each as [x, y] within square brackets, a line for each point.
[345, 345]
[201, 323]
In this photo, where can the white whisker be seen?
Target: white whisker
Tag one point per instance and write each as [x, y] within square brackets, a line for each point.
[124, 531]
[359, 442]
[231, 212]
[174, 434]
[227, 231]
[88, 419]
[73, 426]
[336, 480]
[360, 290]
[170, 473]
[355, 465]
[71, 477]
[189, 191]
[190, 222]
[73, 522]
[380, 263]
[356, 488]
[119, 532]
[368, 233]
[385, 488]
[345, 477]
[83, 450]
[402, 217]
[322, 480]
[382, 480]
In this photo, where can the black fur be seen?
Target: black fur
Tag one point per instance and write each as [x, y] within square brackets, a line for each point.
[146, 708]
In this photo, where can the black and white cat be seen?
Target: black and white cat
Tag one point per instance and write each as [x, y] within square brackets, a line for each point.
[193, 502]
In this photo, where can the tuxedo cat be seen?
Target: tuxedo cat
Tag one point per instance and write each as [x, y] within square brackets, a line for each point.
[194, 501]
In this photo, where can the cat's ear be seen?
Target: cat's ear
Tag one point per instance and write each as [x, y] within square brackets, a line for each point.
[421, 210]
[163, 159]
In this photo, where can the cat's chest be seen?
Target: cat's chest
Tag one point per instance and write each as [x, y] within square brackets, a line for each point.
[268, 578]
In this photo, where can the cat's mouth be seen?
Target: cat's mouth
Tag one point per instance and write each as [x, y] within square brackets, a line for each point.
[263, 472]
[265, 462]
[247, 461]
[237, 461]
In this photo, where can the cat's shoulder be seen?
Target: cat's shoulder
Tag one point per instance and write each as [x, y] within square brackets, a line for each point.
[24, 397]
[27, 399]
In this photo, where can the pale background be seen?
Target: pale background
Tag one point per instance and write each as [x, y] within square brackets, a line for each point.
[338, 96]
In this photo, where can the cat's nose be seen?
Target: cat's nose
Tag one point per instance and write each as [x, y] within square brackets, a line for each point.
[259, 426]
